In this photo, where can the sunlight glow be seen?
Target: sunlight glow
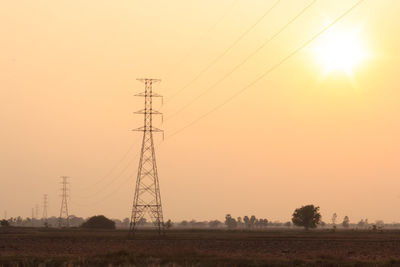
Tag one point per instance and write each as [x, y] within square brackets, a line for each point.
[341, 51]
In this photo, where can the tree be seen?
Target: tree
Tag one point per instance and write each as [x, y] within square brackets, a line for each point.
[346, 222]
[230, 222]
[239, 222]
[98, 222]
[142, 221]
[334, 217]
[361, 223]
[246, 221]
[262, 223]
[306, 216]
[253, 220]
[184, 223]
[168, 224]
[214, 224]
[4, 223]
[125, 223]
[380, 224]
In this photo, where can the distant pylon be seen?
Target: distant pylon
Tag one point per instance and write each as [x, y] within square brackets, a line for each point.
[37, 211]
[45, 204]
[147, 198]
[33, 216]
[64, 203]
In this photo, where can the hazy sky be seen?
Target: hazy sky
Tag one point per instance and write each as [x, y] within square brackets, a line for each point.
[303, 134]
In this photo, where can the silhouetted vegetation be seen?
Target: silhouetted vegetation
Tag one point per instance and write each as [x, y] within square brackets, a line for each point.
[307, 217]
[240, 223]
[168, 224]
[4, 223]
[247, 222]
[346, 222]
[230, 222]
[99, 222]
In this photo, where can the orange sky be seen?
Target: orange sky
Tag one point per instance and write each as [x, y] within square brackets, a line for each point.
[299, 136]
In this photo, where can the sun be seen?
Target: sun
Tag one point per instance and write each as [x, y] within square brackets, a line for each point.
[341, 50]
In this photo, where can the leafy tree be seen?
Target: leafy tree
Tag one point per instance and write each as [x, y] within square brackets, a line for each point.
[98, 222]
[230, 222]
[306, 216]
[261, 223]
[126, 222]
[184, 223]
[380, 224]
[214, 224]
[346, 222]
[168, 224]
[334, 217]
[142, 221]
[361, 223]
[239, 222]
[4, 223]
[253, 220]
[246, 221]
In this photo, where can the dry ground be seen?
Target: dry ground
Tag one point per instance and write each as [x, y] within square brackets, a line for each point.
[51, 247]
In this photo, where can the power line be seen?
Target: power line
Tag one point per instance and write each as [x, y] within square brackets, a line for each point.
[249, 29]
[282, 61]
[294, 52]
[220, 56]
[267, 41]
[204, 70]
[117, 189]
[183, 59]
[126, 167]
[113, 168]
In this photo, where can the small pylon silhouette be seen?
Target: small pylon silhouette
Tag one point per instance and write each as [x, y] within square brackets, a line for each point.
[45, 205]
[64, 217]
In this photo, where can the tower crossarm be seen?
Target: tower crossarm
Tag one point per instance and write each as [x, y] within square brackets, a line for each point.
[144, 111]
[143, 80]
[149, 129]
[143, 94]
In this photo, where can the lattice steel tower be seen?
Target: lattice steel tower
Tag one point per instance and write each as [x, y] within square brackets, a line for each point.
[45, 205]
[147, 198]
[64, 203]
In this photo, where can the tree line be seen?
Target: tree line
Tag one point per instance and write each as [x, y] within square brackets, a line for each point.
[308, 217]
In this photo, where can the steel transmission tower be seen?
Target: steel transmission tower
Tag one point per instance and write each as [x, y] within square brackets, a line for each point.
[37, 211]
[45, 204]
[64, 203]
[33, 216]
[147, 198]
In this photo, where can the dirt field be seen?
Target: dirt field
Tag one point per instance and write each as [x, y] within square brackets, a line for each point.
[31, 247]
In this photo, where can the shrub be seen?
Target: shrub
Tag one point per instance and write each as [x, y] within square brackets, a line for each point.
[98, 222]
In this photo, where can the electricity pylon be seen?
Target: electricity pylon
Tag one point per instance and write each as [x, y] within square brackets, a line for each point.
[33, 216]
[37, 211]
[45, 203]
[64, 203]
[147, 198]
